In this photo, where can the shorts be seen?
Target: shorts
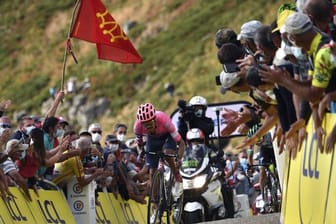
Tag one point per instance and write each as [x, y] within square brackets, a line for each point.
[156, 144]
[266, 155]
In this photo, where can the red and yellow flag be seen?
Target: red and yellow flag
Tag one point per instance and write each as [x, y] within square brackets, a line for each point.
[95, 24]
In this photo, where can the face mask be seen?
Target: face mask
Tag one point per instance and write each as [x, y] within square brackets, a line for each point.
[113, 147]
[198, 113]
[297, 52]
[23, 155]
[333, 59]
[243, 162]
[59, 133]
[121, 137]
[108, 179]
[29, 129]
[96, 137]
[196, 147]
[1, 130]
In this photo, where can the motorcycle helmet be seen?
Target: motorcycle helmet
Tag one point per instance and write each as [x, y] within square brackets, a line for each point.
[195, 134]
[200, 104]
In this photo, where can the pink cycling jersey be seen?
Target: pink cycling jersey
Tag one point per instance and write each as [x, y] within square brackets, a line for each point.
[164, 125]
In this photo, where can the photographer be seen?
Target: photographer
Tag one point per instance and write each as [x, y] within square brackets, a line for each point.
[193, 116]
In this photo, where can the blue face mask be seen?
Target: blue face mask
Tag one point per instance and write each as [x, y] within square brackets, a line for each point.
[243, 163]
[59, 133]
[297, 52]
[29, 129]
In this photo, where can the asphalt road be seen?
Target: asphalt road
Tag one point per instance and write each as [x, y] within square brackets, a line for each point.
[273, 218]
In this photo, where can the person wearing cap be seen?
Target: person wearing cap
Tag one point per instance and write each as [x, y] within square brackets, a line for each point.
[301, 33]
[15, 151]
[246, 35]
[112, 145]
[226, 35]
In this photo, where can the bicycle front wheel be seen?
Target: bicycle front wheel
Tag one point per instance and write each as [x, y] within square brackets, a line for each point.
[156, 199]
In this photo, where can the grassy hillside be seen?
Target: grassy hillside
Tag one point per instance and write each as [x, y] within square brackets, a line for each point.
[175, 38]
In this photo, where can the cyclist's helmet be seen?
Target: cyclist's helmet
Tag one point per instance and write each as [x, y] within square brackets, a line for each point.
[195, 134]
[146, 112]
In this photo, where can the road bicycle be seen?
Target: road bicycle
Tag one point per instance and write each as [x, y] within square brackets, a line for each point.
[271, 190]
[162, 206]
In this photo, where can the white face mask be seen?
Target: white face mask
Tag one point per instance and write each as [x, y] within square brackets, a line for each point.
[2, 130]
[121, 137]
[96, 137]
[196, 147]
[113, 147]
[29, 129]
[23, 154]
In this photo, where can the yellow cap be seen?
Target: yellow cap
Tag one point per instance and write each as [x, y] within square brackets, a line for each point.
[282, 19]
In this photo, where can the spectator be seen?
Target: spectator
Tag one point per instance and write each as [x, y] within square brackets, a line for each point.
[15, 151]
[226, 35]
[96, 131]
[38, 156]
[112, 146]
[301, 33]
[27, 124]
[74, 167]
[120, 130]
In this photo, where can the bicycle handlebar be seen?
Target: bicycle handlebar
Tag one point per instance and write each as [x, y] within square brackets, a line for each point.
[162, 155]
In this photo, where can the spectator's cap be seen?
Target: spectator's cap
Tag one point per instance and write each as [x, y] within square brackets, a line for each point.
[225, 35]
[281, 19]
[227, 80]
[36, 118]
[247, 30]
[63, 121]
[16, 145]
[111, 138]
[94, 126]
[284, 11]
[297, 23]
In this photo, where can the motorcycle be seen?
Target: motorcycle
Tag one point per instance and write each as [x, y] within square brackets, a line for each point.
[203, 200]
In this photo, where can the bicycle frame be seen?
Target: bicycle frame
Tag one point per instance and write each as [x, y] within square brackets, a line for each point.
[161, 191]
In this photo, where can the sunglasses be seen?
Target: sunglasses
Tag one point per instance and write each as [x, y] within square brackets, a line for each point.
[4, 125]
[99, 132]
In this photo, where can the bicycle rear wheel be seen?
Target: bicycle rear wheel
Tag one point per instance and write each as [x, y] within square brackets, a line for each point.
[156, 199]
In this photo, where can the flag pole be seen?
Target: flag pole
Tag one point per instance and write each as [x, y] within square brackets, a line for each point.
[68, 48]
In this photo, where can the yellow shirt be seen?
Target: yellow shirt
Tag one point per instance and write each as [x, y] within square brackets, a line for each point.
[67, 169]
[323, 68]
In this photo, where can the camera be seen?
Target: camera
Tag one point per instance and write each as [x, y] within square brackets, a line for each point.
[184, 107]
[217, 79]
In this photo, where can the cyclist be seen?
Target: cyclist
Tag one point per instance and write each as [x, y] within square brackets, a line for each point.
[161, 134]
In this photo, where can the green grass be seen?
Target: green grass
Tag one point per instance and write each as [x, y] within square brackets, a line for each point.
[182, 53]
